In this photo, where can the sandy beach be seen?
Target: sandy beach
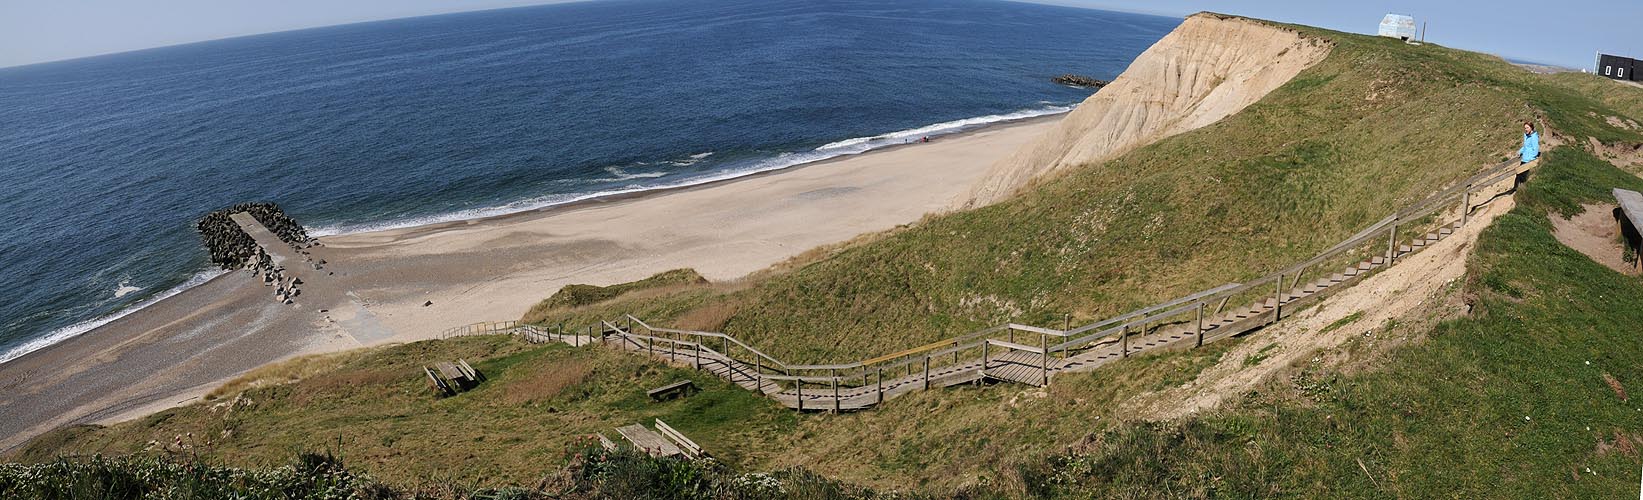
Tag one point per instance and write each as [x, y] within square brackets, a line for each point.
[409, 284]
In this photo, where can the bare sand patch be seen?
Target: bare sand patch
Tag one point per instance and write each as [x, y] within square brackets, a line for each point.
[1628, 157]
[1593, 232]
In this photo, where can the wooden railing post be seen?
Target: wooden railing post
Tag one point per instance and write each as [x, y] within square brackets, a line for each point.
[1044, 361]
[835, 391]
[926, 372]
[879, 379]
[698, 352]
[1392, 243]
[1124, 341]
[1278, 299]
[798, 386]
[1200, 325]
[1466, 205]
[672, 347]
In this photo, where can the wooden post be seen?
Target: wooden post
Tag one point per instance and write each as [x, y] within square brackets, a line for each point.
[1278, 299]
[698, 352]
[673, 347]
[879, 379]
[1124, 340]
[835, 392]
[798, 385]
[1012, 334]
[1066, 324]
[955, 345]
[926, 372]
[1200, 325]
[1466, 205]
[1044, 362]
[1392, 243]
[984, 344]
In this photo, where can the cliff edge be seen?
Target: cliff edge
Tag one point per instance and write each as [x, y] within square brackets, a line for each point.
[1209, 67]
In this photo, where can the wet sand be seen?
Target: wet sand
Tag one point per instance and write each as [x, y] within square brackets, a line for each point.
[409, 284]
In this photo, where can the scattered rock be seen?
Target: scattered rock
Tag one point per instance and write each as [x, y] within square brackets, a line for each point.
[1080, 81]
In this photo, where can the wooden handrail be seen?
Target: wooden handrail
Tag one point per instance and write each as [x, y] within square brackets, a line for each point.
[1157, 314]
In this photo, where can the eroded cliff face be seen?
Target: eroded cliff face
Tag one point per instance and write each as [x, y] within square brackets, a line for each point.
[1210, 67]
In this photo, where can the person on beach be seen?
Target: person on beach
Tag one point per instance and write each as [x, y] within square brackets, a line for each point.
[1531, 143]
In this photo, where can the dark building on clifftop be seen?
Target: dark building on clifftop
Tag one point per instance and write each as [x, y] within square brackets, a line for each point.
[1619, 68]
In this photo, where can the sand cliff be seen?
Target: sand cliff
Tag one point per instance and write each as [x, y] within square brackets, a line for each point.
[1210, 67]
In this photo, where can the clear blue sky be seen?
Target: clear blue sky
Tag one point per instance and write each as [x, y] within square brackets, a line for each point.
[1565, 32]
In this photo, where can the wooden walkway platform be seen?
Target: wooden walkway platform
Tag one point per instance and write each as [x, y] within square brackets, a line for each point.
[1029, 355]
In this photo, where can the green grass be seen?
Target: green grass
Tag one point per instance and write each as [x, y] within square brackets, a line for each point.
[376, 408]
[578, 295]
[1305, 167]
[1377, 125]
[1349, 319]
[1549, 330]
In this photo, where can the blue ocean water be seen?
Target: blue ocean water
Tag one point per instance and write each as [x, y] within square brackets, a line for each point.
[108, 160]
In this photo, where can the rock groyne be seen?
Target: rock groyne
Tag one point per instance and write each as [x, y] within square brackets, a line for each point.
[1080, 81]
[230, 248]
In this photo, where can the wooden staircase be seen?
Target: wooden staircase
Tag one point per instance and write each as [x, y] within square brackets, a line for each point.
[979, 356]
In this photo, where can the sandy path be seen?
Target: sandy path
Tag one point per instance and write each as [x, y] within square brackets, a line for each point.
[375, 285]
[1417, 284]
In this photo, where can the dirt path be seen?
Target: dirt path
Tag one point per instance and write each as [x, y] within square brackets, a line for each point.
[1420, 288]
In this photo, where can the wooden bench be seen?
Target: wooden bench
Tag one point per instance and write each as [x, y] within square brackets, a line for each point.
[449, 378]
[649, 441]
[1628, 216]
[673, 390]
[688, 446]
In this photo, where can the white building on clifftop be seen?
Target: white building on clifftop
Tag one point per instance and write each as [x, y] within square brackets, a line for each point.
[1398, 26]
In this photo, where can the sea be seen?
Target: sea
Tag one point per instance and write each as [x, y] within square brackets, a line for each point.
[108, 161]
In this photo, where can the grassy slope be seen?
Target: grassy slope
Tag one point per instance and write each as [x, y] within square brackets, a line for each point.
[375, 408]
[1290, 153]
[1509, 402]
[1376, 125]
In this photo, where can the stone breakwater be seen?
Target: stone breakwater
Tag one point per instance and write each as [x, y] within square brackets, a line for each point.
[1080, 81]
[230, 247]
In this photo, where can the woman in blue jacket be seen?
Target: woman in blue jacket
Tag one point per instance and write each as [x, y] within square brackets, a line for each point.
[1531, 143]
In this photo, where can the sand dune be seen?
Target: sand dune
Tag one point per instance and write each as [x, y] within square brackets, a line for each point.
[1210, 67]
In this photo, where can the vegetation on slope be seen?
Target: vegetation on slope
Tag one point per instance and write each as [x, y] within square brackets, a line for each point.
[1526, 397]
[1375, 126]
[376, 408]
[578, 295]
